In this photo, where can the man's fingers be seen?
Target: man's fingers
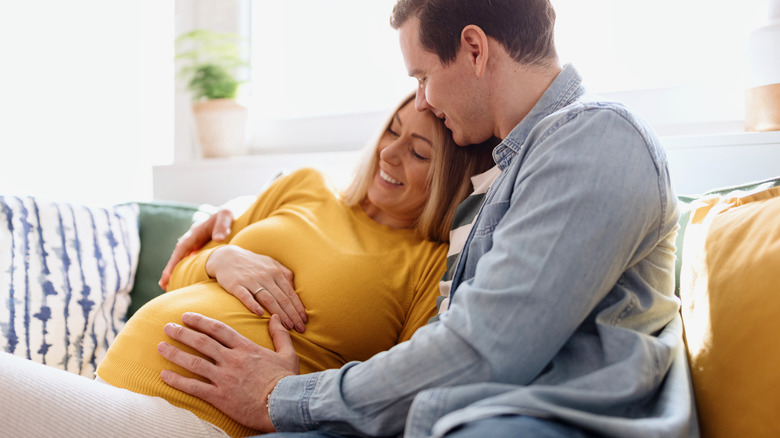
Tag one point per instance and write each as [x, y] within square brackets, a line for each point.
[239, 379]
[186, 384]
[223, 221]
[190, 362]
[179, 252]
[281, 338]
[193, 240]
[211, 335]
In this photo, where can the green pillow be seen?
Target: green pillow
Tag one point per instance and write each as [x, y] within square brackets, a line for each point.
[160, 226]
[685, 201]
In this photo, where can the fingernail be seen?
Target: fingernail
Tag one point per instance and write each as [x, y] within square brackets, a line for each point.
[300, 328]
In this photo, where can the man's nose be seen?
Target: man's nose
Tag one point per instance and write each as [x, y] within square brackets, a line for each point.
[420, 102]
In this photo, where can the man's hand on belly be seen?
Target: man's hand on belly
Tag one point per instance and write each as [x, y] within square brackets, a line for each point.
[242, 374]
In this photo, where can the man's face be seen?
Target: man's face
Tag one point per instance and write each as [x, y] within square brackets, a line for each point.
[452, 92]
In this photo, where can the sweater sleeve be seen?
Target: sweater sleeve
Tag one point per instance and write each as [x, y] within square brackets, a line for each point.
[192, 269]
[423, 305]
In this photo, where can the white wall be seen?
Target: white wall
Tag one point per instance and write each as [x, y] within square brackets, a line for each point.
[231, 16]
[87, 102]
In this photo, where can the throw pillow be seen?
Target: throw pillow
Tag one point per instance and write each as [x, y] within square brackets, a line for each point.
[160, 226]
[65, 275]
[730, 292]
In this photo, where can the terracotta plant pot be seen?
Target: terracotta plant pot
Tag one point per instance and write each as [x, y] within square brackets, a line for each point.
[221, 126]
[762, 100]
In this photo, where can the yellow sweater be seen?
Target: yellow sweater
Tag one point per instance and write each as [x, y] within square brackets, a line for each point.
[365, 287]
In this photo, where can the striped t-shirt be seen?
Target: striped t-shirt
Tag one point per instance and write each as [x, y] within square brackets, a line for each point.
[464, 218]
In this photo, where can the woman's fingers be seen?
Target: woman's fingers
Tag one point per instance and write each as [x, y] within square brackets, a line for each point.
[257, 298]
[257, 279]
[282, 289]
[245, 296]
[277, 302]
[284, 280]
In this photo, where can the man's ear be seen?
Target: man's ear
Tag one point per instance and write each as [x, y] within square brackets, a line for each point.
[475, 42]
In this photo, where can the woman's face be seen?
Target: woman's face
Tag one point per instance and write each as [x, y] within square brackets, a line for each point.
[399, 189]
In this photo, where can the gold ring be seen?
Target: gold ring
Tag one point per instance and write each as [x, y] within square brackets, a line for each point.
[258, 290]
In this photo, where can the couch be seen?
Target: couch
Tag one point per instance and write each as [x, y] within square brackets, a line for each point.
[728, 278]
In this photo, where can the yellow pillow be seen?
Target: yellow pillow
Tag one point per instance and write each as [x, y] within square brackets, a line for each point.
[730, 292]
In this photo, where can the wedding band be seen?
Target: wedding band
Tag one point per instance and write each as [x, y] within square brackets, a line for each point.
[258, 290]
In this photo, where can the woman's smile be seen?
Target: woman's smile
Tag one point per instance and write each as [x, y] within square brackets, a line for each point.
[389, 178]
[400, 187]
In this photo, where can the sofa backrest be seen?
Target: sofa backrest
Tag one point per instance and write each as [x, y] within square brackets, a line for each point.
[687, 200]
[728, 272]
[160, 226]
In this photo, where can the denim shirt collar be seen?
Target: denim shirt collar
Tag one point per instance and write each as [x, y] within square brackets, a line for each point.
[564, 90]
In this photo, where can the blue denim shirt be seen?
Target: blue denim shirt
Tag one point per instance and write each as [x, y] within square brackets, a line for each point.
[563, 302]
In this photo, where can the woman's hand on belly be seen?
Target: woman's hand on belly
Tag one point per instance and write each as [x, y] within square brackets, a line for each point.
[259, 282]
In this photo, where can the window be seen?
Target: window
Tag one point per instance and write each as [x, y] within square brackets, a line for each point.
[323, 72]
[682, 63]
[313, 58]
[326, 71]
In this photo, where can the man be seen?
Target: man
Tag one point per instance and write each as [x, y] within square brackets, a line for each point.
[562, 319]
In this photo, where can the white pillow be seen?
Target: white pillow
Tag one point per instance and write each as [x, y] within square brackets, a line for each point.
[66, 272]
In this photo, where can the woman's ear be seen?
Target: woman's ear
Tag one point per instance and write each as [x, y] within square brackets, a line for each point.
[474, 42]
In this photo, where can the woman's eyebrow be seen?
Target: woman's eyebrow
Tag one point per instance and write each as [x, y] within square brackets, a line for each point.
[400, 123]
[423, 139]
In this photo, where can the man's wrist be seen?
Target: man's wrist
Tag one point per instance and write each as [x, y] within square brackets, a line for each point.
[272, 385]
[268, 402]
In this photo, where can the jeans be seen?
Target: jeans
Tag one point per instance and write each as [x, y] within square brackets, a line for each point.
[495, 427]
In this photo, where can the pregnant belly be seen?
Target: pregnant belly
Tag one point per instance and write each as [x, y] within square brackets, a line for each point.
[133, 363]
[138, 340]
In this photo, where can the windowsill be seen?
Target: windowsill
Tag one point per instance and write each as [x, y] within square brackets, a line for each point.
[723, 139]
[700, 163]
[697, 163]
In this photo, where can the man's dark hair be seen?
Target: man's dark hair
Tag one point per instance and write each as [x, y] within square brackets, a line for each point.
[523, 27]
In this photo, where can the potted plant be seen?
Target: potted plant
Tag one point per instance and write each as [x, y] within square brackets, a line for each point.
[209, 62]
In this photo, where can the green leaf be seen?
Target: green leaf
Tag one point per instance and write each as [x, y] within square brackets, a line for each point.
[208, 62]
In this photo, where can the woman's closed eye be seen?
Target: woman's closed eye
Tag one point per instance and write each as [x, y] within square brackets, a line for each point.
[417, 155]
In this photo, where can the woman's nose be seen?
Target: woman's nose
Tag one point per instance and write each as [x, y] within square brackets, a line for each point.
[389, 153]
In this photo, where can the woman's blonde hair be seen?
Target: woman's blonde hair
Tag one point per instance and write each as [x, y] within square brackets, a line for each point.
[449, 177]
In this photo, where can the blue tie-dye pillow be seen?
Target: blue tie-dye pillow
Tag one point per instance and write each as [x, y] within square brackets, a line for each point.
[66, 271]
